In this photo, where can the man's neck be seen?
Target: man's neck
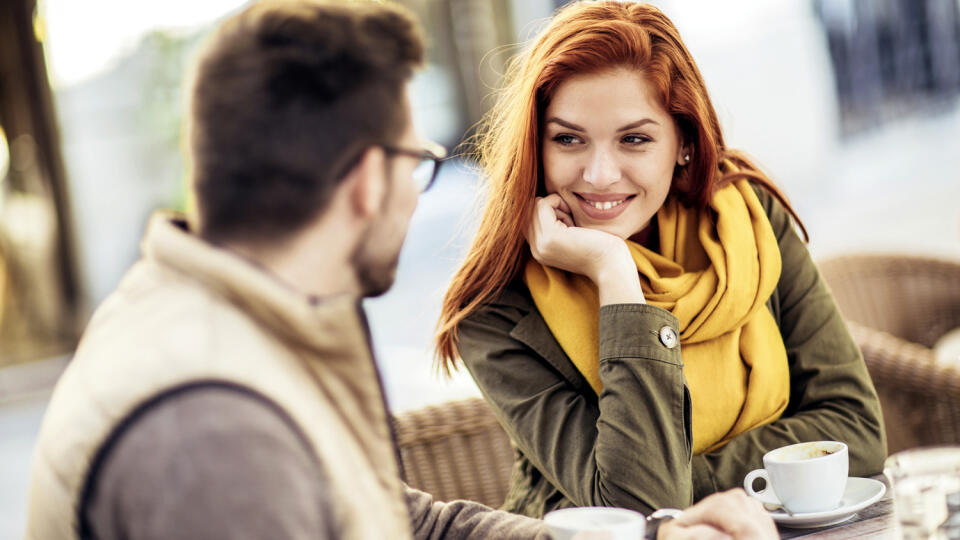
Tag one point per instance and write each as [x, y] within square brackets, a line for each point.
[315, 262]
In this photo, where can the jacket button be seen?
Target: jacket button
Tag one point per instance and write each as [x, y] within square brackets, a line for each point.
[668, 336]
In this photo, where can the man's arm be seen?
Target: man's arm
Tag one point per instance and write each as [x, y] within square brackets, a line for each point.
[211, 462]
[217, 462]
[458, 520]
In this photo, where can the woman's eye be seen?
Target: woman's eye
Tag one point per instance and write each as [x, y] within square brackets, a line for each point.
[565, 139]
[635, 139]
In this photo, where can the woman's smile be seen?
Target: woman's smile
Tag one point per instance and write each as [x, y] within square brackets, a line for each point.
[603, 207]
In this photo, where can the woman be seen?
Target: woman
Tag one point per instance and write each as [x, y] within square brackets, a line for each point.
[666, 326]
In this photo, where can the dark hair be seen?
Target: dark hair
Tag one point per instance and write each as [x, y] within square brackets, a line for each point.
[285, 95]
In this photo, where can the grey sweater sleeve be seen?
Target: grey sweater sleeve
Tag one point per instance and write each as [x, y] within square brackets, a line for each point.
[217, 462]
[210, 462]
[462, 520]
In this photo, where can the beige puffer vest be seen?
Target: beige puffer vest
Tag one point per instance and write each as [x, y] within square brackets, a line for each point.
[189, 312]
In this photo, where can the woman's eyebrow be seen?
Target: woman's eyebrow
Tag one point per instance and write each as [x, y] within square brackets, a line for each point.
[570, 125]
[564, 123]
[639, 123]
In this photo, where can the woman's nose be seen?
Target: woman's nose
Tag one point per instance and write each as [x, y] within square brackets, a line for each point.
[602, 169]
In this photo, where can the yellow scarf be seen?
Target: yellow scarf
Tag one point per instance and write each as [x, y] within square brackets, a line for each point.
[715, 279]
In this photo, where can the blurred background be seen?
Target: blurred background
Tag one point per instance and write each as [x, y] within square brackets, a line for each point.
[851, 105]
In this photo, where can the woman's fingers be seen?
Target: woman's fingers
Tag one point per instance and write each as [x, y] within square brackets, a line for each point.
[547, 209]
[538, 230]
[554, 200]
[532, 232]
[560, 211]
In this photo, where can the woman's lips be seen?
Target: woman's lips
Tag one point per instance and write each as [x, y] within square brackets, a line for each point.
[604, 207]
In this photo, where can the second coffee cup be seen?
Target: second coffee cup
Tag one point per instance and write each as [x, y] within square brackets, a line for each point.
[805, 477]
[595, 523]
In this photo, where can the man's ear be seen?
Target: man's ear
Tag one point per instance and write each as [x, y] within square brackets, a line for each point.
[367, 181]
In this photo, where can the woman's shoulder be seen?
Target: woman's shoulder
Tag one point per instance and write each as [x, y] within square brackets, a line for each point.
[767, 199]
[492, 326]
[777, 214]
[511, 303]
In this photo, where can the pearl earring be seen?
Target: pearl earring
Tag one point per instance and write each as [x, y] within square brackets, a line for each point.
[686, 158]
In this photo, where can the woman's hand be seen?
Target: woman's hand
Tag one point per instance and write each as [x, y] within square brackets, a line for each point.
[729, 515]
[603, 257]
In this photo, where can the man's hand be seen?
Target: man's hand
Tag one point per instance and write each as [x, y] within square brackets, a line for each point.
[729, 515]
[602, 257]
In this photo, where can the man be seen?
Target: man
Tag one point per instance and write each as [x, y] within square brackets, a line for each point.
[227, 388]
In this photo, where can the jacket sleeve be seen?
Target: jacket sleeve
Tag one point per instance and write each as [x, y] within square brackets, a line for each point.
[628, 447]
[831, 394]
[462, 520]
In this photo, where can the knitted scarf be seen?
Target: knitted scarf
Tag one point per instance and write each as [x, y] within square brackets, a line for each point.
[715, 276]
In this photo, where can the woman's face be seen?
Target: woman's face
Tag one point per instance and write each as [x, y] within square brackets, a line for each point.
[609, 150]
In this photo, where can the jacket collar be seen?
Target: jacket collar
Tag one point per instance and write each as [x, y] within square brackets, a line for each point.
[532, 331]
[334, 324]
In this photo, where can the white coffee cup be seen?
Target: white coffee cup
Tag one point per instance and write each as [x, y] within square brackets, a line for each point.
[805, 477]
[595, 523]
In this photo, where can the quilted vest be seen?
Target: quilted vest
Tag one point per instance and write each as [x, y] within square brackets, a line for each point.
[189, 312]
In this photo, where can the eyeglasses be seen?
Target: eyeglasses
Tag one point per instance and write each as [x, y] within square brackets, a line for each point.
[431, 157]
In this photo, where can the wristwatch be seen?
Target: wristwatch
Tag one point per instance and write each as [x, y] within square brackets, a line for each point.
[658, 518]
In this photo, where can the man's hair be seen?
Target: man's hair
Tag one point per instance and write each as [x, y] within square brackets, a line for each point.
[286, 97]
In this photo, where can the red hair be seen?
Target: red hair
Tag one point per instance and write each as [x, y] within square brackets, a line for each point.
[582, 38]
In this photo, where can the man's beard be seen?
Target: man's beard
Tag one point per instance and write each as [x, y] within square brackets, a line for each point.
[375, 272]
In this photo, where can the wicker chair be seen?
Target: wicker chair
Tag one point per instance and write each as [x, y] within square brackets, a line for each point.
[456, 450]
[897, 306]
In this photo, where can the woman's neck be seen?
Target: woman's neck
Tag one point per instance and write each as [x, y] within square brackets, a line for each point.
[649, 236]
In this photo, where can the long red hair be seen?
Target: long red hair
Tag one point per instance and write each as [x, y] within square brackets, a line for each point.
[582, 38]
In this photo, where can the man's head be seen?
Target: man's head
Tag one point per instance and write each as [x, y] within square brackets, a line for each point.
[293, 98]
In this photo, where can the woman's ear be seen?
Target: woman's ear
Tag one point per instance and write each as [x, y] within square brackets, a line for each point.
[368, 182]
[684, 155]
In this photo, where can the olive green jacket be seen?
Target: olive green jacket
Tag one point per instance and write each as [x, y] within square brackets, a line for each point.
[631, 445]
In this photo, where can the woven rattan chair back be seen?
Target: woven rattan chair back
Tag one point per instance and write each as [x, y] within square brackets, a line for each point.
[456, 450]
[913, 298]
[897, 306]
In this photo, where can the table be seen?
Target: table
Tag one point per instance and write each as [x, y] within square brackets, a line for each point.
[875, 521]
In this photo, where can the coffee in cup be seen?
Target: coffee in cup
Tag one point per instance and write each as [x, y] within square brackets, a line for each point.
[804, 477]
[595, 523]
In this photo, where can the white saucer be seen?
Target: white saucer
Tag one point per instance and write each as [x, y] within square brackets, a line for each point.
[859, 494]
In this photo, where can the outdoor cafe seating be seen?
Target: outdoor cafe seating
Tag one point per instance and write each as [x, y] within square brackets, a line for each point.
[897, 308]
[456, 450]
